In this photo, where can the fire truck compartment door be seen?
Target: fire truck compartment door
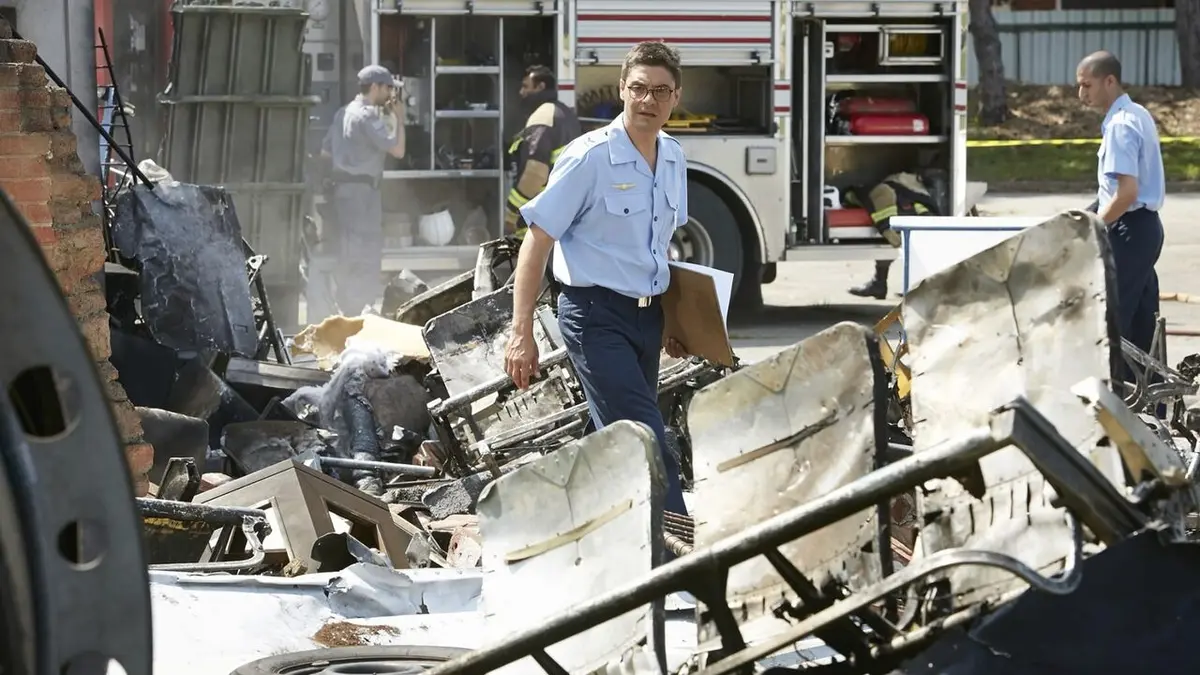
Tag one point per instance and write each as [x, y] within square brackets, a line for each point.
[706, 32]
[489, 7]
[873, 9]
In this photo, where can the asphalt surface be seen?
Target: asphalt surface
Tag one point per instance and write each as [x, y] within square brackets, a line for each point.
[808, 297]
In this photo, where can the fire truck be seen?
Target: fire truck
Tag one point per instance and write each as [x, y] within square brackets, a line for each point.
[788, 107]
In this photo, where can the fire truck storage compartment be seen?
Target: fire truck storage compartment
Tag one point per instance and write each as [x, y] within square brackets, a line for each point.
[880, 101]
[716, 100]
[462, 75]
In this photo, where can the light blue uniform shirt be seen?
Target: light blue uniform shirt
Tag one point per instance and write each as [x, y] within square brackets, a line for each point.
[612, 217]
[1130, 146]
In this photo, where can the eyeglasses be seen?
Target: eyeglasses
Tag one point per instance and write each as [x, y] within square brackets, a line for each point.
[662, 93]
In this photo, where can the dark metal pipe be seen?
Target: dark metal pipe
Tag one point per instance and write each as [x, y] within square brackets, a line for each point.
[936, 462]
[386, 467]
[165, 508]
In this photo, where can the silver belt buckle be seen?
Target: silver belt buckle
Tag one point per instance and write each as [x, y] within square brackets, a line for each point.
[643, 302]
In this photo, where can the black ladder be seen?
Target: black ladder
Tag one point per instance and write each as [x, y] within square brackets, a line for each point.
[113, 117]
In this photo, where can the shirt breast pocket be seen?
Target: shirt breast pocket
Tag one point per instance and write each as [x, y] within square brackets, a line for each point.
[626, 216]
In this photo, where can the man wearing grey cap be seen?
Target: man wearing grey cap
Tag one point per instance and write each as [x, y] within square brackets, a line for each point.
[363, 134]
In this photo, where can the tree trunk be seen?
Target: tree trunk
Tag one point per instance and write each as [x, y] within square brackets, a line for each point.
[1187, 34]
[993, 98]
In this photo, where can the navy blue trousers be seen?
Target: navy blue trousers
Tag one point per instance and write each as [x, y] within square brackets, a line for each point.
[1137, 241]
[615, 347]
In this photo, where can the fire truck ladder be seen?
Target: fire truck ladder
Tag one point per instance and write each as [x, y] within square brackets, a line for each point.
[112, 117]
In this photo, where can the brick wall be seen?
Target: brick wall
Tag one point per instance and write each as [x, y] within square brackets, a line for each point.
[42, 174]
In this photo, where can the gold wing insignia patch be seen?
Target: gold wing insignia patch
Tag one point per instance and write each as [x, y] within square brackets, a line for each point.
[623, 186]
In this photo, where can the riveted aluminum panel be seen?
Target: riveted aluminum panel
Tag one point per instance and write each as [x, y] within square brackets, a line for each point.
[237, 116]
[706, 32]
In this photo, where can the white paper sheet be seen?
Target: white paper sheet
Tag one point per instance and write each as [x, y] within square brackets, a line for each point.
[722, 280]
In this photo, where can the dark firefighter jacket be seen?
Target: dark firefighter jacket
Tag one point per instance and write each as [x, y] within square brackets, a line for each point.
[533, 153]
[901, 194]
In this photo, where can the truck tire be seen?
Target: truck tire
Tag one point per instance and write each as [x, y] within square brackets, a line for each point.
[715, 237]
[387, 658]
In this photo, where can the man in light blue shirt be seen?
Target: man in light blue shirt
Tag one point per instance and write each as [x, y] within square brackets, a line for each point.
[610, 206]
[1132, 189]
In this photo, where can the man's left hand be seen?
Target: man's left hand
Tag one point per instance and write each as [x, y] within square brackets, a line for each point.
[674, 348]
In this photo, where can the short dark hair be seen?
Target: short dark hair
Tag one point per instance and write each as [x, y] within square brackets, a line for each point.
[543, 76]
[1102, 64]
[653, 54]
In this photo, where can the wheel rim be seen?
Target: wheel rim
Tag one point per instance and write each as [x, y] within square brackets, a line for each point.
[398, 665]
[691, 244]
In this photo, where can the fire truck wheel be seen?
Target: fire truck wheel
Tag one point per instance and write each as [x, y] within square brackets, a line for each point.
[711, 236]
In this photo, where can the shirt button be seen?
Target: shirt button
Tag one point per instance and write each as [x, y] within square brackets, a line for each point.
[626, 210]
[656, 219]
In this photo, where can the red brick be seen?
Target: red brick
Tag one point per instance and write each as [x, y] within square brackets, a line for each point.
[140, 457]
[45, 235]
[33, 190]
[38, 97]
[129, 423]
[10, 99]
[97, 335]
[37, 213]
[17, 51]
[59, 97]
[38, 119]
[19, 168]
[73, 187]
[31, 75]
[27, 145]
[11, 121]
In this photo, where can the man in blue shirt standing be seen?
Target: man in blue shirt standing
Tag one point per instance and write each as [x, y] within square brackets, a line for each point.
[363, 135]
[610, 206]
[1132, 189]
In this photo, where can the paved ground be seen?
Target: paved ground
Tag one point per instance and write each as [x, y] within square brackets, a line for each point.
[808, 297]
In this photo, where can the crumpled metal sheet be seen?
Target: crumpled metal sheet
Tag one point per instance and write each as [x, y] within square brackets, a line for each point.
[777, 434]
[1028, 317]
[187, 242]
[467, 343]
[568, 527]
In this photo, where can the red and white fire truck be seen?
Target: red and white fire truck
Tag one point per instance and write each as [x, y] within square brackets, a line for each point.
[786, 106]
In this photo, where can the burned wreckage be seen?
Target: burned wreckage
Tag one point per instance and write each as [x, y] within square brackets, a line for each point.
[982, 496]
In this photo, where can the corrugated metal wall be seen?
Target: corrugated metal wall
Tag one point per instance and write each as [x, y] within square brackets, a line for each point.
[1044, 47]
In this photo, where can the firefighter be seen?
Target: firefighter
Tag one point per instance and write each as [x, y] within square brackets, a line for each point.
[901, 194]
[1132, 189]
[551, 125]
[614, 199]
[363, 134]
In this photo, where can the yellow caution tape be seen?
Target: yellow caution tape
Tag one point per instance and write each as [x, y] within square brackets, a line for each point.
[1067, 141]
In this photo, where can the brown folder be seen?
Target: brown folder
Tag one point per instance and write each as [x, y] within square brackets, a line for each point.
[692, 315]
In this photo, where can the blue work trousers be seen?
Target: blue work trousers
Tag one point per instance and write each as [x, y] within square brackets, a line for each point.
[615, 347]
[358, 210]
[1137, 240]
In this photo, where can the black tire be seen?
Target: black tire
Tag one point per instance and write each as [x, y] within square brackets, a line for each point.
[417, 660]
[711, 212]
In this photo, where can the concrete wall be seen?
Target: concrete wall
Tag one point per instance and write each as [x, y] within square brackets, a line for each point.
[66, 42]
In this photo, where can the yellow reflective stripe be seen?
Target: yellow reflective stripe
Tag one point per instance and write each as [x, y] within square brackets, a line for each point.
[517, 199]
[515, 144]
[556, 154]
[884, 213]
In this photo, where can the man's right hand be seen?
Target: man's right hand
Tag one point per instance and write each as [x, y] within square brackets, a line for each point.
[521, 357]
